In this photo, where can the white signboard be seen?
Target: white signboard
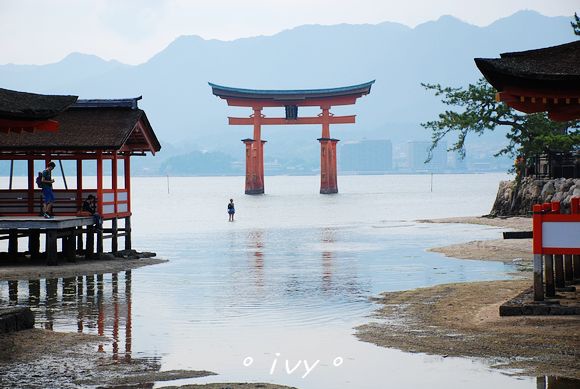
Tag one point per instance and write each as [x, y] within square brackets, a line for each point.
[561, 235]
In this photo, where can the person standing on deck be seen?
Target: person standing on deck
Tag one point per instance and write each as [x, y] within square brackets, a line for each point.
[47, 193]
[231, 210]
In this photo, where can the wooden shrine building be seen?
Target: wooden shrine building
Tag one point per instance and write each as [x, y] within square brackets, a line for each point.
[291, 100]
[102, 135]
[546, 80]
[541, 80]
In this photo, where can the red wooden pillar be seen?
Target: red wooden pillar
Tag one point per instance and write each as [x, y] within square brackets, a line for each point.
[114, 179]
[99, 183]
[79, 183]
[31, 178]
[255, 157]
[127, 171]
[328, 170]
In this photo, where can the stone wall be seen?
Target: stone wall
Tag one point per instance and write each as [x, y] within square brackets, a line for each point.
[516, 199]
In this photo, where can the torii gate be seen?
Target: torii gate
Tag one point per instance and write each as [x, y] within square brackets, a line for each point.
[291, 100]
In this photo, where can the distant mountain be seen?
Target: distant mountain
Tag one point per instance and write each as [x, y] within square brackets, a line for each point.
[183, 111]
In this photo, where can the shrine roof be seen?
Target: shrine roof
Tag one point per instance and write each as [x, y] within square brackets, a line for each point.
[91, 125]
[553, 68]
[31, 106]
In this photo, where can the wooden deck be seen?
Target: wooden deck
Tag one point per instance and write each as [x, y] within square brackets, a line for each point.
[34, 222]
[68, 228]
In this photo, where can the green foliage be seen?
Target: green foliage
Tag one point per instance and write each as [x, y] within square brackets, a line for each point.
[576, 24]
[477, 111]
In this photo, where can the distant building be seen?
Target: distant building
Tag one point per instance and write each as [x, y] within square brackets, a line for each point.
[367, 156]
[418, 151]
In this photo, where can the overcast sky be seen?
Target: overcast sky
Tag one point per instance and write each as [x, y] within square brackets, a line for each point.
[131, 31]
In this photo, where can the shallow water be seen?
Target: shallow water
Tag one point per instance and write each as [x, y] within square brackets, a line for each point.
[287, 281]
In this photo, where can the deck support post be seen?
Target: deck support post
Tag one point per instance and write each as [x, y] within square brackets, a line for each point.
[128, 233]
[538, 278]
[79, 237]
[13, 243]
[568, 269]
[559, 270]
[576, 262]
[550, 286]
[99, 242]
[34, 243]
[70, 245]
[51, 248]
[114, 235]
[90, 247]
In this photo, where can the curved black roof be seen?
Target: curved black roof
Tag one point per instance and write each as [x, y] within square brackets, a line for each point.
[32, 106]
[290, 94]
[556, 67]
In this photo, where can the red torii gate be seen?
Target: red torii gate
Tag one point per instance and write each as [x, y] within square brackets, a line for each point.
[291, 100]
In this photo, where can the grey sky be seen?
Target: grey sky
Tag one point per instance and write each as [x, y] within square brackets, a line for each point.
[43, 31]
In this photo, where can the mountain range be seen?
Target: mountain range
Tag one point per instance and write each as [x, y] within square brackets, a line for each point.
[188, 118]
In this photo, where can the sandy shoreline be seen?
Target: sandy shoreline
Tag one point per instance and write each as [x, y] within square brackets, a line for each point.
[30, 270]
[504, 250]
[463, 319]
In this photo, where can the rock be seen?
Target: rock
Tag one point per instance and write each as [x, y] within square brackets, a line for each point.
[15, 319]
[517, 199]
[548, 189]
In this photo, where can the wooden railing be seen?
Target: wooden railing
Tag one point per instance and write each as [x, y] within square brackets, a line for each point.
[115, 204]
[67, 202]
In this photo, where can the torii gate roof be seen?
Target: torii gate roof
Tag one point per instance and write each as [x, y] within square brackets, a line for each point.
[290, 95]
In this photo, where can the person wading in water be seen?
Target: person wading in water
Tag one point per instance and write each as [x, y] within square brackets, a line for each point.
[231, 210]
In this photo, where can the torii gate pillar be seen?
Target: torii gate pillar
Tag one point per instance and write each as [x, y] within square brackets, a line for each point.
[328, 171]
[254, 166]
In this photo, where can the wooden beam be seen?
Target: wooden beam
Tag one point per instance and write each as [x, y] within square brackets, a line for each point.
[235, 121]
[344, 100]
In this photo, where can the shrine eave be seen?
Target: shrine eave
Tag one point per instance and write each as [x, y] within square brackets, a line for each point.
[549, 68]
[226, 92]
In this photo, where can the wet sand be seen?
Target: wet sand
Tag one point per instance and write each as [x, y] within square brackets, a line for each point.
[504, 250]
[40, 358]
[34, 270]
[463, 319]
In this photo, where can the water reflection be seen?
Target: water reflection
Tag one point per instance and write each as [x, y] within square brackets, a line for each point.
[98, 305]
[256, 251]
[327, 239]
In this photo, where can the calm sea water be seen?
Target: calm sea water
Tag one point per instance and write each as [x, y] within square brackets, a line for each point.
[287, 281]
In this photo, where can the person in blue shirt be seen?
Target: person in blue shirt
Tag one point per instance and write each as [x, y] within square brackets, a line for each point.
[47, 194]
[231, 210]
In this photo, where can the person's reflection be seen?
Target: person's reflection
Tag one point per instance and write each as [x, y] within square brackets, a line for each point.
[327, 239]
[256, 247]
